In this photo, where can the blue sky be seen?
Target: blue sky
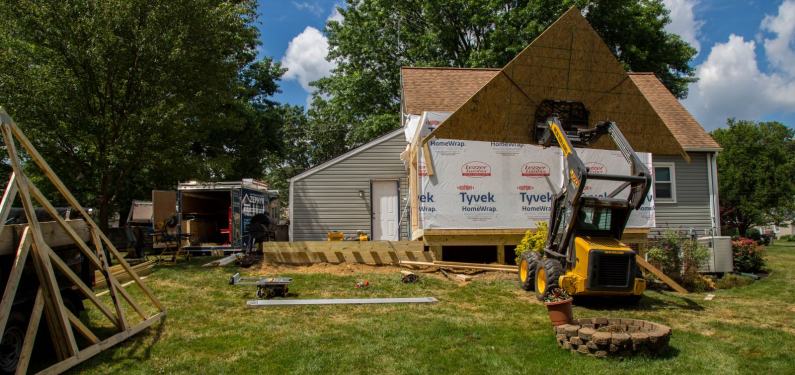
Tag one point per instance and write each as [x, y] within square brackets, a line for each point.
[745, 64]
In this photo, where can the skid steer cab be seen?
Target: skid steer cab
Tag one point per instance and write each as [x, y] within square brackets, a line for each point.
[583, 253]
[602, 265]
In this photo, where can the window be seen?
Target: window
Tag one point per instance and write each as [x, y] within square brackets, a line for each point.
[664, 183]
[595, 219]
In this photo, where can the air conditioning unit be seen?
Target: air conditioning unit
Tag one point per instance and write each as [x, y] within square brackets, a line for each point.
[720, 254]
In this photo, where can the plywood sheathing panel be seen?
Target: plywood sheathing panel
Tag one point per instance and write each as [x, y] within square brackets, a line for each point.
[568, 61]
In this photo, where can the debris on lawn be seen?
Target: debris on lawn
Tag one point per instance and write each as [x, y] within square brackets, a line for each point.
[361, 284]
[267, 287]
[338, 301]
[409, 277]
[709, 297]
[464, 278]
[223, 261]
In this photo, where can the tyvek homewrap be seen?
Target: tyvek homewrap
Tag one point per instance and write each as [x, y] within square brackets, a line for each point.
[508, 185]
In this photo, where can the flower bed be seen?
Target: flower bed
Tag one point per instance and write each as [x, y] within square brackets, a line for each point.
[603, 337]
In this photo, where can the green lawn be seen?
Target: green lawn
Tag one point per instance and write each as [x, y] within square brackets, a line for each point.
[486, 326]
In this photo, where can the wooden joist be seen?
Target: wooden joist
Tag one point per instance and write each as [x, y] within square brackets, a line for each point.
[121, 275]
[464, 266]
[336, 252]
[660, 275]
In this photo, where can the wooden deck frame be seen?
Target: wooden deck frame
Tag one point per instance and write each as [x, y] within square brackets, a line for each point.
[33, 246]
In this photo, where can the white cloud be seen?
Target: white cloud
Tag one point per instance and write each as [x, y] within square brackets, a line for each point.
[311, 7]
[731, 85]
[683, 21]
[779, 49]
[305, 58]
[335, 15]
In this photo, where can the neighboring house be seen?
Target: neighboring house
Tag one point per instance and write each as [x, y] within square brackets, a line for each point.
[785, 229]
[336, 195]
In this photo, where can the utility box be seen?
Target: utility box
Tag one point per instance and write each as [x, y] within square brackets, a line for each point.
[721, 259]
[211, 215]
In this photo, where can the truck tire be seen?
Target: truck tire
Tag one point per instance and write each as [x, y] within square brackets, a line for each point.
[11, 346]
[527, 269]
[547, 275]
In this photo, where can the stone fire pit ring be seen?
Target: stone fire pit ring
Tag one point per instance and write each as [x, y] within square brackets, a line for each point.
[609, 337]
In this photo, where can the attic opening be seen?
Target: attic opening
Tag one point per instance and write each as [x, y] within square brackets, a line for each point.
[573, 116]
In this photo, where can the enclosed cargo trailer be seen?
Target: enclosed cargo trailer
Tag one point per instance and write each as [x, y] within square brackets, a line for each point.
[211, 215]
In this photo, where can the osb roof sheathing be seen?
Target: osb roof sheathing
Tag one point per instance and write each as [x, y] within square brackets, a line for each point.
[568, 61]
[440, 89]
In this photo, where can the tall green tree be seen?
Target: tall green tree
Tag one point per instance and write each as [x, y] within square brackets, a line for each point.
[123, 96]
[756, 173]
[361, 98]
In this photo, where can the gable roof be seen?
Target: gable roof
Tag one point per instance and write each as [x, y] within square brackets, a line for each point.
[440, 89]
[685, 128]
[568, 61]
[357, 150]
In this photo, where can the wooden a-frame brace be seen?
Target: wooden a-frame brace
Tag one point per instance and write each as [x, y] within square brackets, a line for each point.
[48, 303]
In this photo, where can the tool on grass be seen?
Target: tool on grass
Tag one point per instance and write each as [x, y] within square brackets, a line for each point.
[361, 284]
[409, 277]
[267, 287]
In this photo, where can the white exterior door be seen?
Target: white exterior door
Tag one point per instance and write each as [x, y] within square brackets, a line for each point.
[385, 210]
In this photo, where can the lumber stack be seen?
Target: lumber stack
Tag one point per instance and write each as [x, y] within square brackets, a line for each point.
[121, 275]
[463, 266]
[337, 252]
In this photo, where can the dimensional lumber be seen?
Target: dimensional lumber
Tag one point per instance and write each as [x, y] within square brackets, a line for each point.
[466, 266]
[339, 301]
[660, 275]
[35, 244]
[337, 252]
[52, 232]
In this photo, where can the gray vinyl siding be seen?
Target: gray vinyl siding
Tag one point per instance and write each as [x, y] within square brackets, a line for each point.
[691, 209]
[329, 199]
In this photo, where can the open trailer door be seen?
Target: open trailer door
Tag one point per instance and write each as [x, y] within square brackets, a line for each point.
[164, 207]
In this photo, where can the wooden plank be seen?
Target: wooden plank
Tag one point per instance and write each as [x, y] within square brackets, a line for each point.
[52, 232]
[436, 250]
[475, 232]
[501, 254]
[426, 155]
[76, 238]
[61, 331]
[30, 334]
[468, 240]
[343, 246]
[82, 329]
[660, 275]
[66, 271]
[93, 350]
[466, 266]
[9, 194]
[337, 301]
[12, 282]
[121, 319]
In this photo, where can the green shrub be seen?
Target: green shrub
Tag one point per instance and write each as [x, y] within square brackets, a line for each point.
[733, 280]
[680, 259]
[532, 240]
[749, 256]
